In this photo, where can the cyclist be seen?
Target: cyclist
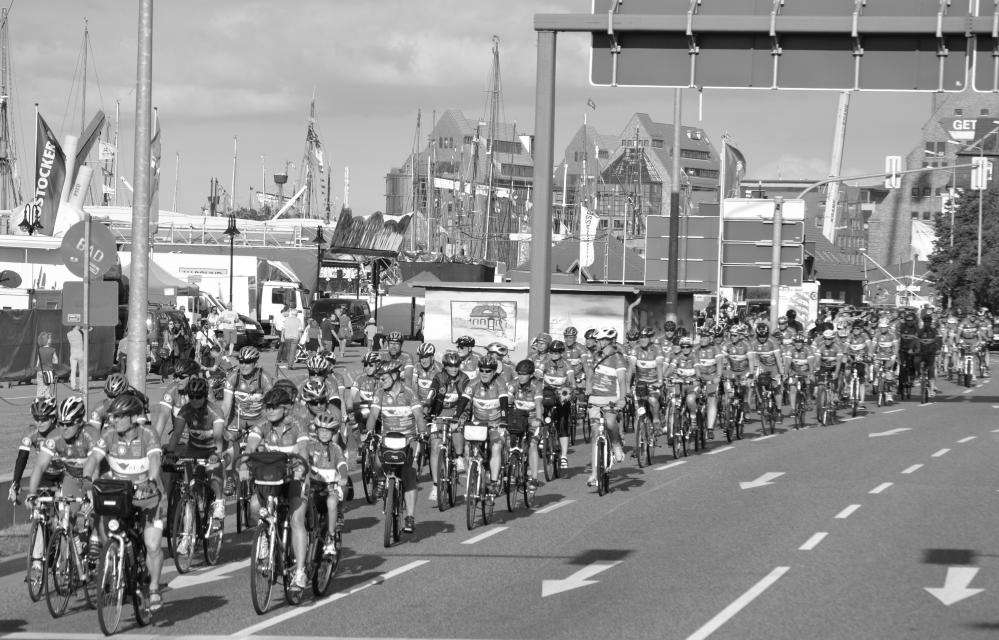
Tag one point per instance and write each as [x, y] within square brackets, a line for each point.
[857, 350]
[929, 345]
[114, 386]
[590, 340]
[199, 434]
[280, 431]
[682, 370]
[329, 470]
[526, 393]
[469, 360]
[647, 362]
[539, 348]
[427, 369]
[399, 410]
[800, 363]
[243, 401]
[321, 371]
[830, 356]
[710, 360]
[395, 355]
[501, 354]
[60, 463]
[487, 399]
[766, 361]
[886, 349]
[670, 342]
[445, 392]
[313, 401]
[132, 450]
[559, 378]
[174, 398]
[574, 352]
[44, 412]
[738, 373]
[606, 387]
[985, 333]
[364, 384]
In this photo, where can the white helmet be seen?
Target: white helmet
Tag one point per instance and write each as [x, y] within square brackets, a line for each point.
[607, 333]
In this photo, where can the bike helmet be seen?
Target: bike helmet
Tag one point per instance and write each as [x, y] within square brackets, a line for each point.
[315, 391]
[317, 364]
[371, 358]
[186, 368]
[451, 359]
[798, 338]
[326, 426]
[127, 404]
[557, 346]
[288, 386]
[525, 368]
[71, 411]
[705, 336]
[590, 334]
[685, 341]
[606, 334]
[648, 332]
[488, 364]
[498, 349]
[829, 334]
[632, 335]
[465, 341]
[543, 337]
[277, 396]
[248, 355]
[883, 323]
[43, 409]
[330, 359]
[781, 320]
[394, 336]
[196, 388]
[426, 350]
[669, 326]
[115, 385]
[570, 332]
[719, 331]
[762, 330]
[390, 368]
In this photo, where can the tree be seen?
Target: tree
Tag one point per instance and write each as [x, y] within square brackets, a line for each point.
[959, 279]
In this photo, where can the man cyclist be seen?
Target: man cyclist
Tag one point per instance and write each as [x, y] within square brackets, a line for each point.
[279, 431]
[114, 386]
[398, 409]
[857, 351]
[767, 363]
[395, 355]
[526, 414]
[445, 392]
[607, 386]
[559, 378]
[647, 367]
[682, 370]
[929, 345]
[329, 471]
[427, 370]
[321, 371]
[799, 362]
[738, 374]
[670, 342]
[830, 357]
[132, 450]
[886, 349]
[468, 359]
[243, 400]
[174, 397]
[985, 333]
[574, 352]
[487, 399]
[43, 412]
[710, 360]
[501, 354]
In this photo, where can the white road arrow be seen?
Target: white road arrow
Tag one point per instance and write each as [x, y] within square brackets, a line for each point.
[579, 579]
[762, 481]
[888, 433]
[219, 573]
[955, 586]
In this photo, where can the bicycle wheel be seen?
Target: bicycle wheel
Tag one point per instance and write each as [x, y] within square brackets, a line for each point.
[641, 436]
[244, 489]
[472, 494]
[391, 529]
[728, 419]
[325, 567]
[136, 567]
[549, 458]
[369, 478]
[292, 595]
[212, 541]
[924, 390]
[573, 423]
[443, 479]
[36, 537]
[601, 469]
[61, 574]
[262, 568]
[587, 430]
[110, 588]
[684, 434]
[488, 507]
[184, 533]
[515, 481]
[525, 486]
[452, 483]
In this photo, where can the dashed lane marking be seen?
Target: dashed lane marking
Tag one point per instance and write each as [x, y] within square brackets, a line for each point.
[738, 605]
[939, 453]
[967, 439]
[881, 487]
[763, 437]
[894, 411]
[814, 541]
[853, 418]
[722, 450]
[913, 468]
[676, 463]
[485, 534]
[967, 391]
[846, 513]
[554, 506]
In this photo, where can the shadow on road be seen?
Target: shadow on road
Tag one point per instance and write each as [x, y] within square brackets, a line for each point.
[175, 611]
[10, 626]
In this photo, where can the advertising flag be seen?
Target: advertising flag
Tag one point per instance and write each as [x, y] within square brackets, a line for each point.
[50, 174]
[155, 150]
[735, 170]
[88, 138]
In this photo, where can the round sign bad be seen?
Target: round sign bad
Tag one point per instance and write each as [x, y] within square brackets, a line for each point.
[10, 279]
[103, 252]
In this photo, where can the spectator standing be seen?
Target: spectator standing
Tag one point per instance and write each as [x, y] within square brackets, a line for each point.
[369, 332]
[792, 320]
[329, 329]
[346, 330]
[311, 336]
[75, 339]
[378, 340]
[227, 322]
[419, 327]
[168, 351]
[45, 361]
[290, 336]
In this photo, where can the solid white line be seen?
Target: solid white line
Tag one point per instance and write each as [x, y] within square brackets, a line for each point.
[894, 411]
[995, 431]
[967, 439]
[675, 463]
[927, 404]
[881, 487]
[853, 418]
[814, 541]
[297, 611]
[939, 453]
[995, 406]
[484, 535]
[554, 506]
[967, 391]
[846, 513]
[740, 603]
[913, 468]
[722, 450]
[951, 397]
[763, 437]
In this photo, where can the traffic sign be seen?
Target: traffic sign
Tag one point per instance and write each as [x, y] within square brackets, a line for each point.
[698, 251]
[103, 303]
[742, 275]
[747, 242]
[761, 252]
[103, 251]
[893, 164]
[981, 173]
[746, 231]
[882, 45]
[10, 279]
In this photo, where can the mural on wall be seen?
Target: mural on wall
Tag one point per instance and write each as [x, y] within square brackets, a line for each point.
[586, 312]
[485, 321]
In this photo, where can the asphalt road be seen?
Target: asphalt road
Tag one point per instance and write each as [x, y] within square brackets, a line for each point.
[838, 533]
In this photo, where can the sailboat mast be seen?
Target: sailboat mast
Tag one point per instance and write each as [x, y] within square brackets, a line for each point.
[7, 159]
[176, 181]
[490, 145]
[414, 167]
[232, 192]
[83, 93]
[114, 161]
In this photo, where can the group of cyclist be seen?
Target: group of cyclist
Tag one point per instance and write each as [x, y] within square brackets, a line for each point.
[214, 413]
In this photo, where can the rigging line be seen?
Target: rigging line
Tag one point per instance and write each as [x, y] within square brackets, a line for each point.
[97, 76]
[72, 94]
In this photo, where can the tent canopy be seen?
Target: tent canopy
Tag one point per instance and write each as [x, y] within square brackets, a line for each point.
[160, 281]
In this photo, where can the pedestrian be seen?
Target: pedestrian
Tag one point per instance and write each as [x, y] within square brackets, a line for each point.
[419, 328]
[168, 351]
[290, 336]
[378, 340]
[121, 357]
[278, 326]
[227, 321]
[45, 362]
[369, 332]
[75, 339]
[346, 330]
[329, 328]
[311, 336]
[792, 320]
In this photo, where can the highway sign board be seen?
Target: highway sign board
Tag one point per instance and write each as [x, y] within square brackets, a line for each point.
[893, 164]
[741, 275]
[10, 279]
[884, 45]
[103, 251]
[748, 231]
[747, 241]
[698, 254]
[760, 252]
[103, 303]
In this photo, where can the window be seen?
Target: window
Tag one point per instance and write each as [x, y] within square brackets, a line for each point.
[984, 112]
[695, 134]
[915, 215]
[915, 192]
[818, 222]
[517, 170]
[927, 192]
[927, 215]
[958, 112]
[603, 153]
[696, 172]
[467, 140]
[657, 143]
[695, 154]
[277, 296]
[627, 143]
[925, 163]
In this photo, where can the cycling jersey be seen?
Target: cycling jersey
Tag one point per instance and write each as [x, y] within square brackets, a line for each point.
[397, 408]
[605, 375]
[100, 414]
[885, 345]
[174, 397]
[69, 456]
[470, 364]
[128, 458]
[929, 341]
[738, 356]
[248, 392]
[707, 361]
[199, 426]
[424, 379]
[684, 368]
[648, 363]
[485, 399]
[558, 374]
[575, 354]
[403, 359]
[766, 353]
[523, 396]
[858, 347]
[445, 392]
[366, 387]
[800, 361]
[325, 459]
[283, 436]
[829, 356]
[33, 440]
[785, 337]
[967, 333]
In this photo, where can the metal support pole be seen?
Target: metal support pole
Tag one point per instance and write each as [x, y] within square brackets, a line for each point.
[775, 261]
[723, 177]
[232, 260]
[981, 190]
[138, 295]
[541, 222]
[673, 264]
[85, 366]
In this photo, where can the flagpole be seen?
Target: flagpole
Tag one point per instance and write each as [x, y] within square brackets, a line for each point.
[114, 162]
[721, 224]
[232, 192]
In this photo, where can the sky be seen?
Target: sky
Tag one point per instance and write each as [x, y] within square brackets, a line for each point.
[248, 68]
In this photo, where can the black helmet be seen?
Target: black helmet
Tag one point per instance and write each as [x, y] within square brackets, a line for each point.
[115, 385]
[371, 358]
[570, 332]
[395, 336]
[525, 368]
[632, 334]
[248, 355]
[43, 409]
[186, 368]
[127, 404]
[719, 331]
[288, 386]
[277, 396]
[451, 359]
[426, 350]
[392, 367]
[762, 330]
[669, 326]
[315, 391]
[197, 388]
[557, 346]
[590, 334]
[488, 364]
[647, 332]
[465, 341]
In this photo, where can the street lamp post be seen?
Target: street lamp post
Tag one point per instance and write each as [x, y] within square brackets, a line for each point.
[320, 245]
[232, 232]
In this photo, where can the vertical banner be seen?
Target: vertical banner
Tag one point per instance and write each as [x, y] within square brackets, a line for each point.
[735, 170]
[155, 151]
[50, 174]
[88, 138]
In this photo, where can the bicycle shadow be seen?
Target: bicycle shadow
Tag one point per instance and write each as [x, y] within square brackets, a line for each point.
[175, 611]
[428, 529]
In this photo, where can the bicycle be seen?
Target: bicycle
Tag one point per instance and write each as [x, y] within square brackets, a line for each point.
[924, 383]
[367, 451]
[582, 413]
[394, 454]
[645, 434]
[735, 419]
[766, 402]
[447, 469]
[881, 380]
[272, 555]
[240, 484]
[825, 403]
[69, 569]
[39, 537]
[983, 360]
[317, 519]
[854, 389]
[515, 473]
[700, 419]
[123, 556]
[966, 358]
[477, 437]
[548, 450]
[800, 401]
[671, 411]
[604, 459]
[188, 514]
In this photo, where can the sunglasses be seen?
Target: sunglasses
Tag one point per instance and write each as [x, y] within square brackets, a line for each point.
[247, 362]
[197, 396]
[273, 406]
[316, 403]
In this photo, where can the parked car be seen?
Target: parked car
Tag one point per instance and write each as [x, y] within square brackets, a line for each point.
[358, 310]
